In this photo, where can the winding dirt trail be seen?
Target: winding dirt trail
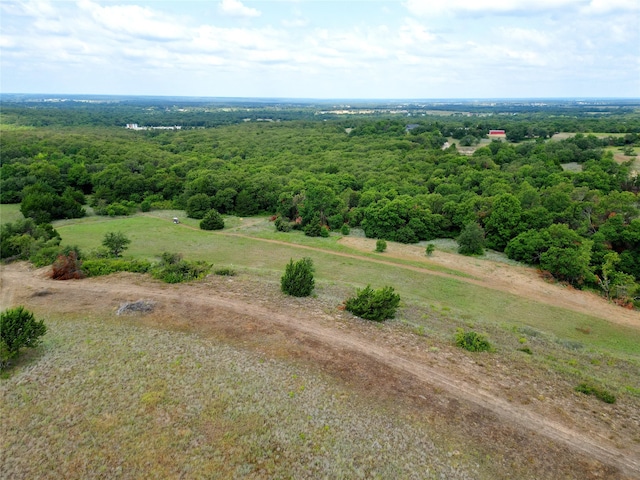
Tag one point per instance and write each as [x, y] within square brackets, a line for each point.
[319, 336]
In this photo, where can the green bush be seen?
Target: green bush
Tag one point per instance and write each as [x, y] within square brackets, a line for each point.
[96, 267]
[282, 224]
[18, 329]
[212, 221]
[599, 393]
[298, 278]
[173, 269]
[372, 304]
[472, 341]
[471, 240]
[345, 230]
[381, 246]
[429, 250]
[225, 272]
[48, 254]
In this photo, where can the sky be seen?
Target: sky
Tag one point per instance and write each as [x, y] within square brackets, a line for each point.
[353, 49]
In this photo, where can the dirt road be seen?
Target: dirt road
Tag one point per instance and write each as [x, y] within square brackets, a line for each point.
[391, 363]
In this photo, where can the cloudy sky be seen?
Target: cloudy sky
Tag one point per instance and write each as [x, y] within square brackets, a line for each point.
[322, 49]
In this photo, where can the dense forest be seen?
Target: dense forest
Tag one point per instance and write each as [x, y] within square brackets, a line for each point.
[569, 206]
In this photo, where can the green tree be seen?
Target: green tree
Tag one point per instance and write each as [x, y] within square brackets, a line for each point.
[18, 329]
[503, 222]
[298, 279]
[212, 221]
[198, 205]
[471, 240]
[116, 243]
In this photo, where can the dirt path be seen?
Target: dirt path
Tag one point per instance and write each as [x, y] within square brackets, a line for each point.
[320, 336]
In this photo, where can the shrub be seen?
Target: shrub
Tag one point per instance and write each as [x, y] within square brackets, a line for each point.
[472, 341]
[381, 245]
[173, 269]
[282, 224]
[96, 267]
[48, 254]
[313, 228]
[599, 393]
[212, 221]
[324, 232]
[345, 230]
[225, 272]
[298, 278]
[430, 249]
[18, 329]
[372, 304]
[67, 267]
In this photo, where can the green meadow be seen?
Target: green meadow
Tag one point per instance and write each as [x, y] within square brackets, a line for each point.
[436, 303]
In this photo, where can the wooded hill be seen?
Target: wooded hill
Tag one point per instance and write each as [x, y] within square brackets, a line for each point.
[318, 172]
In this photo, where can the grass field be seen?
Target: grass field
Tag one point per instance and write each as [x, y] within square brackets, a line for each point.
[10, 213]
[434, 300]
[108, 396]
[147, 403]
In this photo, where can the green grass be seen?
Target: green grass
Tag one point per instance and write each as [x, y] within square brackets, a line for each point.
[458, 302]
[106, 398]
[9, 213]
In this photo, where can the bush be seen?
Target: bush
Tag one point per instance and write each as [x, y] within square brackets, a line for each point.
[173, 269]
[372, 304]
[212, 221]
[472, 341]
[225, 272]
[430, 249]
[381, 246]
[282, 224]
[298, 278]
[599, 393]
[345, 230]
[48, 254]
[96, 267]
[67, 267]
[18, 329]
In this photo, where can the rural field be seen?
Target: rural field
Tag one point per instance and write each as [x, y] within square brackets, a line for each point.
[229, 378]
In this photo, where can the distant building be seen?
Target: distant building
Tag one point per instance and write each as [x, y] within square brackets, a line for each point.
[411, 126]
[497, 132]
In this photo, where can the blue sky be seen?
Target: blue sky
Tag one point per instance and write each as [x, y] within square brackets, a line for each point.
[323, 49]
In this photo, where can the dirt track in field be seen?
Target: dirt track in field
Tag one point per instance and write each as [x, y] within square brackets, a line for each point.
[390, 362]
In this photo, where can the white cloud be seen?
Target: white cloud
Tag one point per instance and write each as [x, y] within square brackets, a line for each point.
[526, 36]
[133, 20]
[607, 6]
[439, 7]
[235, 8]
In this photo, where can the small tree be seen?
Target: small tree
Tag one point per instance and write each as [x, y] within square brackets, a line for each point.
[430, 249]
[212, 221]
[298, 278]
[381, 246]
[18, 329]
[116, 243]
[372, 304]
[471, 240]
